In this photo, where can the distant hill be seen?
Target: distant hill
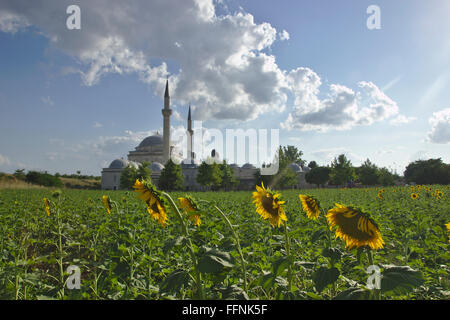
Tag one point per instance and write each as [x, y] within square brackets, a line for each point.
[9, 181]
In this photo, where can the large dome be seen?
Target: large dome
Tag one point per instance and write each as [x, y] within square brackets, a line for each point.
[118, 164]
[151, 141]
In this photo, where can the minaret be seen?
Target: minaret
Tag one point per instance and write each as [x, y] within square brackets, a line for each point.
[167, 112]
[190, 132]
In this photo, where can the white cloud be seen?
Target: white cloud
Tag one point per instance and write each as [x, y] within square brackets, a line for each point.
[342, 109]
[401, 119]
[283, 35]
[440, 127]
[326, 156]
[97, 125]
[222, 67]
[11, 23]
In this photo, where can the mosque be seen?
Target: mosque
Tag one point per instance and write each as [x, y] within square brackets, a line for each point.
[158, 149]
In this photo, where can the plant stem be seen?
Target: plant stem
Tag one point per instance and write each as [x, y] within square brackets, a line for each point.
[288, 252]
[191, 248]
[236, 238]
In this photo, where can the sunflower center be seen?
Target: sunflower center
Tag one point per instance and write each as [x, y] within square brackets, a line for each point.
[267, 203]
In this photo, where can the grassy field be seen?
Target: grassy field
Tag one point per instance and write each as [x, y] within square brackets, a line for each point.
[126, 254]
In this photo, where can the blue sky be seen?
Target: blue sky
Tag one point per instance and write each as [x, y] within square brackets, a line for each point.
[77, 99]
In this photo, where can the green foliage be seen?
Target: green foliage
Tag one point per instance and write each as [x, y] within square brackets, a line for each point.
[286, 179]
[324, 276]
[400, 279]
[288, 155]
[312, 164]
[318, 176]
[143, 172]
[171, 177]
[429, 171]
[228, 181]
[128, 177]
[385, 177]
[368, 173]
[210, 175]
[341, 170]
[127, 255]
[20, 174]
[43, 179]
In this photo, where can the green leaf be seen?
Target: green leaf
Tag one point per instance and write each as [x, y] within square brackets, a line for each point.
[234, 293]
[280, 265]
[319, 234]
[324, 276]
[400, 279]
[168, 245]
[267, 281]
[173, 282]
[353, 294]
[332, 253]
[214, 261]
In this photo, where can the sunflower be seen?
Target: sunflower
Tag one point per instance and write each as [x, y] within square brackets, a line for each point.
[310, 205]
[356, 228]
[47, 206]
[107, 203]
[269, 205]
[414, 196]
[156, 209]
[153, 199]
[189, 205]
[438, 194]
[448, 229]
[380, 195]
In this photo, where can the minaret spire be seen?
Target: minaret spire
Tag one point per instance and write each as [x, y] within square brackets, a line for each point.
[190, 132]
[167, 112]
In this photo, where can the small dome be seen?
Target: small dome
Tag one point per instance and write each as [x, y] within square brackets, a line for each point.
[118, 164]
[248, 166]
[234, 165]
[295, 167]
[156, 167]
[150, 141]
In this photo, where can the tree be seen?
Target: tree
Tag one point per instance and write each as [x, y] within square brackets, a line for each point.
[227, 174]
[288, 155]
[318, 176]
[209, 175]
[143, 172]
[385, 177]
[431, 171]
[171, 177]
[341, 170]
[312, 164]
[43, 179]
[20, 174]
[368, 173]
[286, 179]
[128, 177]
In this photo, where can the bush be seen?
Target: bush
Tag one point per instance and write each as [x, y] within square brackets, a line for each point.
[43, 179]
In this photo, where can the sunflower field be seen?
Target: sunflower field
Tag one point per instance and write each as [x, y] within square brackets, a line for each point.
[376, 243]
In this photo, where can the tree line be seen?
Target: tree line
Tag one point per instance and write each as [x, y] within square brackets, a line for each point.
[340, 172]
